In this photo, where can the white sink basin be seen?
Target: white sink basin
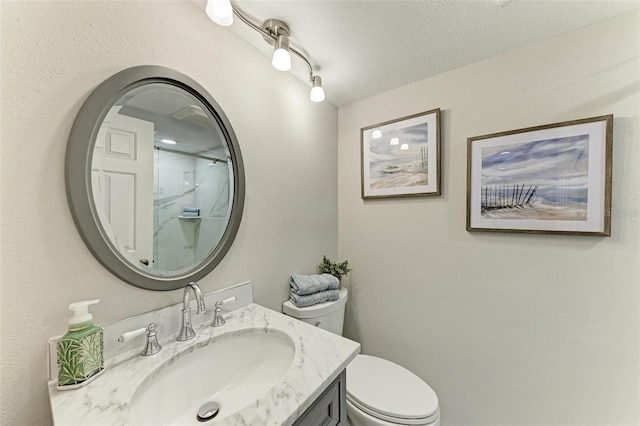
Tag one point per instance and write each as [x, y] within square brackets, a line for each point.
[233, 371]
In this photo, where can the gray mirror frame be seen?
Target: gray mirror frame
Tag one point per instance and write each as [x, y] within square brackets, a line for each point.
[78, 175]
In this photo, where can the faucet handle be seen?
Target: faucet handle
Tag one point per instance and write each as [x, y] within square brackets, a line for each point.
[152, 346]
[218, 321]
[130, 335]
[227, 300]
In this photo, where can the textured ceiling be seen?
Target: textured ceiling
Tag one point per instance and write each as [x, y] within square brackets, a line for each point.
[365, 47]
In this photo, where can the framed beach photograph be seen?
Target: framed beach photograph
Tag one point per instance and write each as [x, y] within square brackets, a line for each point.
[401, 157]
[552, 179]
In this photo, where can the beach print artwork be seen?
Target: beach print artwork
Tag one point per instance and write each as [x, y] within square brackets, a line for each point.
[393, 164]
[549, 179]
[541, 180]
[401, 157]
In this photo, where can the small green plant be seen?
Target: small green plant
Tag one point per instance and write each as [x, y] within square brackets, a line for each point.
[336, 269]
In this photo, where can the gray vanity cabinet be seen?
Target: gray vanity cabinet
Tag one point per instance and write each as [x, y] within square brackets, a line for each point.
[330, 408]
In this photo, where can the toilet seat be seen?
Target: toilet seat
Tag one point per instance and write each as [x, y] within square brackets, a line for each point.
[370, 418]
[390, 392]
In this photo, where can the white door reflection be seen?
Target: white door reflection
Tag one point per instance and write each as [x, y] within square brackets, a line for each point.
[122, 183]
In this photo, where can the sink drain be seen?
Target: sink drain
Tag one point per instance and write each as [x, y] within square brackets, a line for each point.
[208, 411]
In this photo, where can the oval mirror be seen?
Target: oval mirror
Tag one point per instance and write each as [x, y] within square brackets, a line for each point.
[155, 178]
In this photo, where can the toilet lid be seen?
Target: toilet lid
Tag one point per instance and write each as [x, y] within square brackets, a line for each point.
[380, 386]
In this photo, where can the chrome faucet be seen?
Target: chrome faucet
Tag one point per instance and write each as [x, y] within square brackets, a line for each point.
[186, 331]
[152, 347]
[218, 321]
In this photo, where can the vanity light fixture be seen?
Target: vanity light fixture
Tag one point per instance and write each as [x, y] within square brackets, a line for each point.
[274, 32]
[395, 141]
[376, 134]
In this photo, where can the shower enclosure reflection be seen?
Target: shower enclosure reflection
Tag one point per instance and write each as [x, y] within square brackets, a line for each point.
[191, 199]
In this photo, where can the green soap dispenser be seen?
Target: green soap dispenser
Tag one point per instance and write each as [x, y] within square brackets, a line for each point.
[81, 349]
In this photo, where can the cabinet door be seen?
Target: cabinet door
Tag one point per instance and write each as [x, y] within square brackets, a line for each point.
[330, 408]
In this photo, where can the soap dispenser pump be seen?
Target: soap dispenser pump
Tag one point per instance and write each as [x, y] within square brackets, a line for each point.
[81, 349]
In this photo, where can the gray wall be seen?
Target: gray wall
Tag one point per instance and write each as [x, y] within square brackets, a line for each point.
[509, 329]
[53, 55]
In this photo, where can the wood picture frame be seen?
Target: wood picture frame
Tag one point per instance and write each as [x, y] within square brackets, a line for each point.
[401, 157]
[551, 179]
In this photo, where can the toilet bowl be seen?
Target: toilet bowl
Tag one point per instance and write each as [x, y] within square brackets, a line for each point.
[379, 392]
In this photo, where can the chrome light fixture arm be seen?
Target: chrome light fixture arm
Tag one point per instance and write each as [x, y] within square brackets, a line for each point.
[272, 38]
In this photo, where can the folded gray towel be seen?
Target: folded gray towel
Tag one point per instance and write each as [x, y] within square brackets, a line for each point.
[313, 299]
[308, 284]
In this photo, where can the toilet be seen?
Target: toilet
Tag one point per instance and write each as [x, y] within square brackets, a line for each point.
[379, 392]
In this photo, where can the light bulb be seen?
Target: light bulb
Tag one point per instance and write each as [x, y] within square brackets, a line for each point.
[404, 147]
[394, 141]
[376, 134]
[220, 12]
[281, 59]
[317, 92]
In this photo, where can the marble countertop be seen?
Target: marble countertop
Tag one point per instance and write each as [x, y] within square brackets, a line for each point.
[320, 356]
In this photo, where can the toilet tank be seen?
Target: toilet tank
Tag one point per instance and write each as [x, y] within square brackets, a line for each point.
[327, 315]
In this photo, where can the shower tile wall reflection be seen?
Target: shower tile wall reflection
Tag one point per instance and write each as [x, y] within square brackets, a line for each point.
[213, 200]
[185, 181]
